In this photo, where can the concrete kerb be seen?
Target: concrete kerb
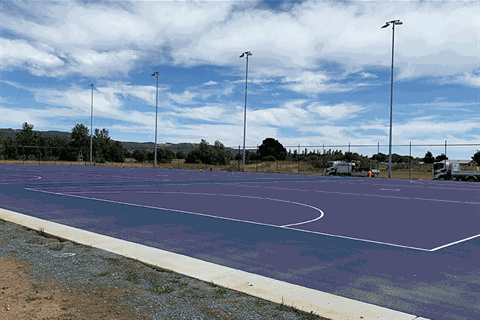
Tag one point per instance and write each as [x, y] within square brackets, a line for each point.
[305, 299]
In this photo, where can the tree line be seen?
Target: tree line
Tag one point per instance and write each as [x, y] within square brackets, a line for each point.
[29, 145]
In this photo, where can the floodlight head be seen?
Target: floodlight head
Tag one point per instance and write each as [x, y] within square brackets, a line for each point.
[386, 25]
[398, 22]
[242, 55]
[155, 73]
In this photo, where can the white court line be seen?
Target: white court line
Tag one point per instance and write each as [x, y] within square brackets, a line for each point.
[20, 179]
[211, 194]
[237, 220]
[366, 195]
[195, 213]
[453, 243]
[390, 189]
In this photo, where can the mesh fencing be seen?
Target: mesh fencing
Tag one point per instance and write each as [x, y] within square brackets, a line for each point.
[309, 160]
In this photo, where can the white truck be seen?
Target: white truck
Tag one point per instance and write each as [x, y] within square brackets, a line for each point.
[447, 170]
[341, 168]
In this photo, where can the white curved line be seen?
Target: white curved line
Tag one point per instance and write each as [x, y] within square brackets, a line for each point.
[20, 179]
[237, 220]
[196, 193]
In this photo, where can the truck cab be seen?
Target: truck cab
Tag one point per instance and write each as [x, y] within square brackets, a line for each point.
[331, 168]
[441, 170]
[445, 170]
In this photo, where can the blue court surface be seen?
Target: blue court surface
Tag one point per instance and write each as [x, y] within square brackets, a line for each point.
[411, 246]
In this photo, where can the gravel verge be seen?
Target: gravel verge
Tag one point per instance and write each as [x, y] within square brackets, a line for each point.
[49, 278]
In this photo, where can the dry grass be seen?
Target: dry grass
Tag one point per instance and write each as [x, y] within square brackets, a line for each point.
[399, 171]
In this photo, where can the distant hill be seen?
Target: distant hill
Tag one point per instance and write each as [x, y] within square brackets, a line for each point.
[47, 134]
[130, 146]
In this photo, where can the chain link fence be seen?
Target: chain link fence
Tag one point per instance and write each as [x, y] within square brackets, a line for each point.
[308, 160]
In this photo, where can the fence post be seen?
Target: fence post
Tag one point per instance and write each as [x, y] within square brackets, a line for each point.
[298, 159]
[378, 153]
[409, 160]
[256, 161]
[445, 153]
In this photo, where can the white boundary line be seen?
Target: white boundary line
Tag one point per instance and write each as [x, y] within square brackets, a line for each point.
[289, 226]
[364, 195]
[237, 220]
[309, 300]
[195, 213]
[20, 179]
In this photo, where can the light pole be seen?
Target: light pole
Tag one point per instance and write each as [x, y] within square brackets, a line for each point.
[156, 109]
[393, 22]
[91, 127]
[246, 53]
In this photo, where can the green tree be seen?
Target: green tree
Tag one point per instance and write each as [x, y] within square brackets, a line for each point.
[272, 147]
[139, 155]
[476, 157]
[101, 145]
[26, 138]
[10, 149]
[217, 155]
[380, 157]
[428, 158]
[199, 155]
[440, 158]
[181, 155]
[80, 142]
[60, 148]
[116, 152]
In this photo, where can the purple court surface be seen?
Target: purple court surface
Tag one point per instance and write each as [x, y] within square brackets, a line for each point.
[407, 245]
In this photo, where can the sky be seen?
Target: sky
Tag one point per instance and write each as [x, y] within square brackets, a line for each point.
[319, 74]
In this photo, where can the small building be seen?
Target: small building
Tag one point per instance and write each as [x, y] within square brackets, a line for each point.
[465, 164]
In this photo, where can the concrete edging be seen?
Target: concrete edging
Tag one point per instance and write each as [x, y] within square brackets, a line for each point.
[305, 299]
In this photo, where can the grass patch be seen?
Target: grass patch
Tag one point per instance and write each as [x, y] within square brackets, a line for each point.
[101, 274]
[157, 289]
[58, 247]
[220, 292]
[259, 303]
[304, 315]
[131, 276]
[192, 293]
[2, 222]
[35, 241]
[41, 232]
[112, 260]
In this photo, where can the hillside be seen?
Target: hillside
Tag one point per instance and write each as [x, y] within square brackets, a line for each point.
[130, 146]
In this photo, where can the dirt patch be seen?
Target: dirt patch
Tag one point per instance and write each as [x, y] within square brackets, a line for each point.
[24, 297]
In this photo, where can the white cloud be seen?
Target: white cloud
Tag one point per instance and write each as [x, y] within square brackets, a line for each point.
[367, 75]
[185, 98]
[311, 83]
[469, 79]
[18, 53]
[210, 83]
[336, 112]
[208, 32]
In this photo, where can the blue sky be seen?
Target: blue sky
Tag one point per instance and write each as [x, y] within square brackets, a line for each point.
[319, 73]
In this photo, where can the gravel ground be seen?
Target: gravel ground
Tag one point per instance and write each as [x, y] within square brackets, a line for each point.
[45, 278]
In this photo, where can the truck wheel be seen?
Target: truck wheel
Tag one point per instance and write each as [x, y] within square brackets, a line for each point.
[471, 179]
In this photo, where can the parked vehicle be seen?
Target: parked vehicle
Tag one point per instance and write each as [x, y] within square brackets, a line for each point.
[341, 168]
[447, 170]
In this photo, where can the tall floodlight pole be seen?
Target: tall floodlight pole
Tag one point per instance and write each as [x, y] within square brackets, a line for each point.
[246, 54]
[91, 127]
[156, 109]
[393, 22]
